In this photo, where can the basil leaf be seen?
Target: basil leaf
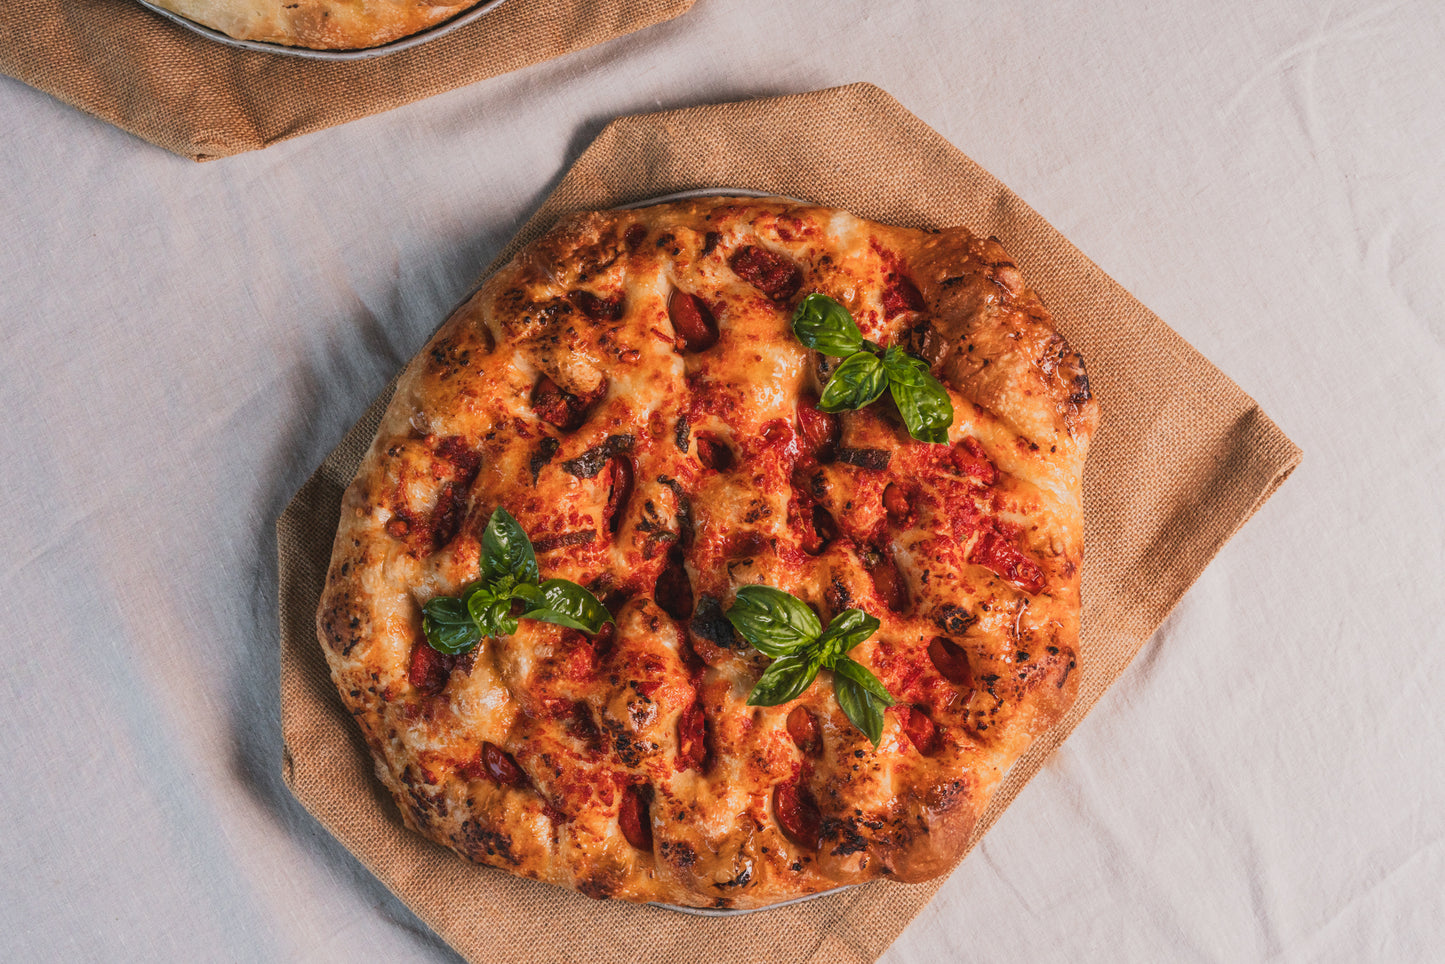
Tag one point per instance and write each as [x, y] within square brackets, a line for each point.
[567, 604]
[922, 400]
[775, 622]
[855, 383]
[858, 674]
[860, 706]
[822, 323]
[848, 629]
[449, 626]
[784, 680]
[506, 550]
[529, 593]
[492, 611]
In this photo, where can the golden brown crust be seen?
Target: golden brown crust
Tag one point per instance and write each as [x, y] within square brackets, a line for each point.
[575, 379]
[319, 24]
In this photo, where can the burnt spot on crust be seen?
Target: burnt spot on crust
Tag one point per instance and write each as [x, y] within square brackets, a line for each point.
[685, 528]
[1068, 668]
[709, 622]
[655, 527]
[631, 752]
[450, 360]
[341, 624]
[562, 540]
[953, 619]
[1058, 361]
[875, 460]
[580, 723]
[681, 434]
[426, 809]
[485, 845]
[590, 462]
[598, 887]
[743, 878]
[546, 451]
[948, 795]
[837, 597]
[598, 309]
[845, 832]
[678, 854]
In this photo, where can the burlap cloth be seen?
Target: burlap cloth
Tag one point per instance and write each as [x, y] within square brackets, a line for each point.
[1181, 460]
[202, 99]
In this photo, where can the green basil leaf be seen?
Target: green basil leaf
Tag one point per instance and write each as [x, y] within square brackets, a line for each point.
[922, 400]
[567, 604]
[855, 383]
[848, 629]
[775, 622]
[506, 550]
[492, 611]
[859, 675]
[529, 593]
[784, 680]
[449, 626]
[822, 323]
[860, 706]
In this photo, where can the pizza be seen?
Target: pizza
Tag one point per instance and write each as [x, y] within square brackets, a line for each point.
[632, 390]
[319, 24]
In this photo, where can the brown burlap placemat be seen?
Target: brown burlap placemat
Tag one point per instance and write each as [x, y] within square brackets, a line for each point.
[1181, 460]
[202, 99]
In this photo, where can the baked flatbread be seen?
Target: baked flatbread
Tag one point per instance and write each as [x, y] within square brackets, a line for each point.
[630, 388]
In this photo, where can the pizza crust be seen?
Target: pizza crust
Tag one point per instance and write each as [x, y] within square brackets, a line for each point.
[640, 772]
[318, 24]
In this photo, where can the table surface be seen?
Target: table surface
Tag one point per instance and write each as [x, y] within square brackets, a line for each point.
[183, 343]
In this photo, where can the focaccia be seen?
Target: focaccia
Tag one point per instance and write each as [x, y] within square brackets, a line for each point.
[630, 388]
[319, 24]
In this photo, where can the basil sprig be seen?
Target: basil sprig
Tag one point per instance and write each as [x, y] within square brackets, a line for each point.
[867, 369]
[784, 627]
[455, 624]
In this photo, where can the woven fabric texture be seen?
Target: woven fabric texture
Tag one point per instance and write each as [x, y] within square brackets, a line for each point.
[1182, 459]
[202, 99]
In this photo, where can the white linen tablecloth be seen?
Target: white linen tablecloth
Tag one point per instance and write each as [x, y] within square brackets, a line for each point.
[181, 344]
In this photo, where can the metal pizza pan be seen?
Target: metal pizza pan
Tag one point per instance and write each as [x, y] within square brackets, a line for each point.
[366, 53]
